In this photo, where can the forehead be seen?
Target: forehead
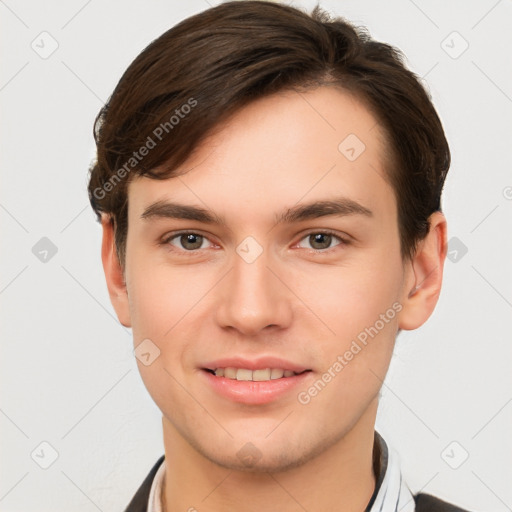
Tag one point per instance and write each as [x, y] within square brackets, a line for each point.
[280, 150]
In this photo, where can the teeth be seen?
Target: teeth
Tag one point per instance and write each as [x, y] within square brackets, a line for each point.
[230, 373]
[256, 375]
[276, 373]
[242, 374]
[259, 375]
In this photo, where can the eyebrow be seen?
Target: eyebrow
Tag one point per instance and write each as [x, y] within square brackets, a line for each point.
[341, 206]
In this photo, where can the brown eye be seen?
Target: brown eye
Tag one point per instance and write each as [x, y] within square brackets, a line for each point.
[321, 241]
[195, 241]
[187, 241]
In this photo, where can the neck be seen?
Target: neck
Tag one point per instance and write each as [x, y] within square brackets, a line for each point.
[340, 478]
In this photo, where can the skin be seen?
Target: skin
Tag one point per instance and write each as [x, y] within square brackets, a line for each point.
[299, 300]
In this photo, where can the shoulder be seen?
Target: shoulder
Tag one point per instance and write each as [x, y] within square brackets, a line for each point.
[429, 503]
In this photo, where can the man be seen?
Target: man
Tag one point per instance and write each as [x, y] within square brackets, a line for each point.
[269, 184]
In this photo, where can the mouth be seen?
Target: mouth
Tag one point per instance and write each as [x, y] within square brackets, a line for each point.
[254, 387]
[260, 375]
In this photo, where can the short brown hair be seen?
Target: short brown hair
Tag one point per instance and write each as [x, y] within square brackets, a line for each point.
[198, 73]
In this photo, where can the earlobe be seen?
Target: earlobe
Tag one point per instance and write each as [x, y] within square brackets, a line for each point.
[422, 284]
[113, 273]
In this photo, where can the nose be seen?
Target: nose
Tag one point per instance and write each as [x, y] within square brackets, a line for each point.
[253, 297]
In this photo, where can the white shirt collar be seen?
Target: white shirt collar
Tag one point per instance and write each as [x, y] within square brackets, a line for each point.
[391, 493]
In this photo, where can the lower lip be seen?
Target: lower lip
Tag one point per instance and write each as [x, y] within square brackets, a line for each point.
[254, 393]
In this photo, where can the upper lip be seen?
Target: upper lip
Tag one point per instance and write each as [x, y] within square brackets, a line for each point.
[259, 363]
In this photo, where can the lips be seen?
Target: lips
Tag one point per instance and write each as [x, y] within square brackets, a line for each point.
[253, 392]
[247, 379]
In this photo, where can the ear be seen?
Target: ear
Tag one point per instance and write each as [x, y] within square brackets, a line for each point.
[113, 273]
[424, 276]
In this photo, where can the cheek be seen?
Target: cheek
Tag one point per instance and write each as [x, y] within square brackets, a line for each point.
[359, 304]
[168, 306]
[361, 312]
[160, 305]
[159, 296]
[348, 299]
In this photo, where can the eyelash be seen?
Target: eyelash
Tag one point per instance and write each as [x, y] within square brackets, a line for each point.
[183, 252]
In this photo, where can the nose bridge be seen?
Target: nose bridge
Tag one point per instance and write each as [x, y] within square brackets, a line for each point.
[253, 298]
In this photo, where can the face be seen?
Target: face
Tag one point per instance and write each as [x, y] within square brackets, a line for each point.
[260, 273]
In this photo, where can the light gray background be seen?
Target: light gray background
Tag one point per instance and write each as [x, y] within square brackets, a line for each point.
[68, 375]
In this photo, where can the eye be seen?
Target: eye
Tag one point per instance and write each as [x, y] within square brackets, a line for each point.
[321, 240]
[188, 241]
